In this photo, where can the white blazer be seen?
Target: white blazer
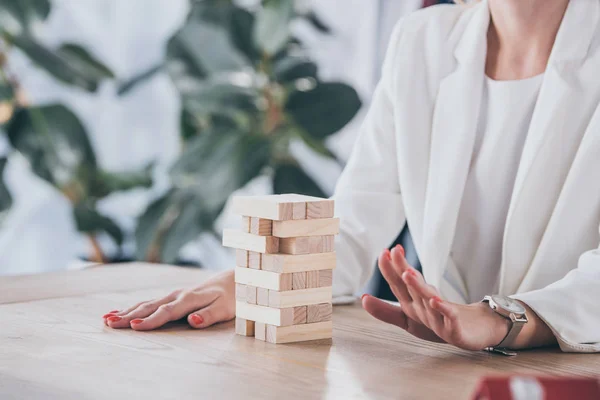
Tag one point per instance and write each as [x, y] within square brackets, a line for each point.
[412, 158]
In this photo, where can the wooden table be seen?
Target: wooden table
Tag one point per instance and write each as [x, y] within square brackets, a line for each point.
[53, 345]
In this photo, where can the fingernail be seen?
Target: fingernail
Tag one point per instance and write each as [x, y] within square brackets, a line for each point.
[363, 296]
[108, 315]
[113, 311]
[136, 321]
[196, 319]
[412, 272]
[114, 318]
[436, 299]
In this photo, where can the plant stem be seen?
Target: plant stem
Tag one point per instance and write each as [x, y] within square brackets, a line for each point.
[98, 256]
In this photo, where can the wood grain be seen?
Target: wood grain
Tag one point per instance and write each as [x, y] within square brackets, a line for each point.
[247, 241]
[306, 227]
[298, 263]
[261, 227]
[53, 345]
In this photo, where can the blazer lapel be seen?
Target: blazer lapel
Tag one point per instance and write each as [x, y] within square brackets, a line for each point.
[553, 139]
[452, 142]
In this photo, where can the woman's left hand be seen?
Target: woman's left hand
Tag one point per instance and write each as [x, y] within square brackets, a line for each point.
[471, 327]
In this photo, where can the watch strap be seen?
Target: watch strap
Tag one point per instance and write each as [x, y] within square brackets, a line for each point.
[514, 331]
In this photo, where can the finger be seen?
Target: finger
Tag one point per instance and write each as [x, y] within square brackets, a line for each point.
[385, 312]
[174, 310]
[399, 260]
[416, 283]
[447, 309]
[397, 286]
[210, 315]
[141, 311]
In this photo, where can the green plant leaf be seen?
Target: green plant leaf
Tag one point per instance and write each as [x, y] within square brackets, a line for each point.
[80, 59]
[54, 142]
[168, 224]
[241, 30]
[6, 200]
[91, 221]
[218, 162]
[272, 28]
[290, 178]
[105, 183]
[6, 92]
[129, 85]
[21, 16]
[324, 110]
[64, 66]
[199, 49]
[290, 69]
[317, 23]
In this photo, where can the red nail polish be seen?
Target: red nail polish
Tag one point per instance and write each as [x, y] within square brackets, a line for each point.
[105, 316]
[114, 318]
[136, 321]
[113, 311]
[436, 299]
[196, 319]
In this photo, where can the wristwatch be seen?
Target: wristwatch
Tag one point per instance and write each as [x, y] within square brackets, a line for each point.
[511, 310]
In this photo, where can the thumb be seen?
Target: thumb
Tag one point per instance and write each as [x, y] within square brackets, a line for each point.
[385, 311]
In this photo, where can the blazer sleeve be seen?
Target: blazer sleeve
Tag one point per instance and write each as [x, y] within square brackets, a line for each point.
[367, 196]
[570, 306]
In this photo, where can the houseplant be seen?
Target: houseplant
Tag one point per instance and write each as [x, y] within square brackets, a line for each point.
[248, 90]
[51, 137]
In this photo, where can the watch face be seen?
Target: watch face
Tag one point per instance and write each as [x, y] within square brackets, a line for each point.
[509, 304]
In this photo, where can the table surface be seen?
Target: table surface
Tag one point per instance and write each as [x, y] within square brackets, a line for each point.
[54, 345]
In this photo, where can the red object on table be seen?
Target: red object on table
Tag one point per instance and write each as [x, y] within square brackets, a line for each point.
[537, 388]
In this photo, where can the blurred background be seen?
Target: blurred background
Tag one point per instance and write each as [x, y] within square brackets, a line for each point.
[125, 125]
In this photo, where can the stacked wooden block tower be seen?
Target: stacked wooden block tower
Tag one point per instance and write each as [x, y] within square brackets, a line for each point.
[285, 258]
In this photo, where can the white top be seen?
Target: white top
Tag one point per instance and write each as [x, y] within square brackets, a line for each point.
[506, 111]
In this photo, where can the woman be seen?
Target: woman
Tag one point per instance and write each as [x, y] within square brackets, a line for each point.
[484, 135]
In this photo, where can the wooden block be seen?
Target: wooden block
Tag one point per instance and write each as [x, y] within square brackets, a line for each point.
[246, 241]
[266, 315]
[321, 244]
[295, 245]
[319, 209]
[319, 312]
[299, 211]
[296, 263]
[251, 294]
[300, 315]
[244, 327]
[306, 227]
[299, 333]
[325, 278]
[240, 292]
[241, 258]
[246, 224]
[254, 260]
[275, 207]
[260, 331]
[298, 280]
[303, 297]
[262, 297]
[263, 279]
[261, 227]
[312, 279]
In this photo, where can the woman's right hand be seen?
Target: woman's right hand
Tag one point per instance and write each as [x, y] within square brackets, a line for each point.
[203, 306]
